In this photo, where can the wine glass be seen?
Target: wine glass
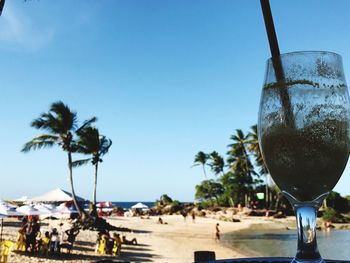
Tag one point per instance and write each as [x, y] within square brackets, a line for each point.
[304, 137]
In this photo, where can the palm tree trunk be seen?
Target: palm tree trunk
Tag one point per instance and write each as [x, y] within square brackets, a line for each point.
[216, 200]
[205, 174]
[72, 185]
[94, 192]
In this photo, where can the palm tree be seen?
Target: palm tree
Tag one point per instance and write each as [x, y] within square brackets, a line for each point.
[201, 158]
[90, 142]
[217, 163]
[238, 154]
[254, 148]
[60, 123]
[239, 161]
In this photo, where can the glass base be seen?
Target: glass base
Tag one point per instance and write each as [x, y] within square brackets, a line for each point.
[296, 260]
[275, 260]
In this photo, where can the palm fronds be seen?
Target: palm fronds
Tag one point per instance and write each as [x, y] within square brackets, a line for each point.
[39, 142]
[91, 142]
[82, 162]
[86, 124]
[201, 158]
[66, 117]
[217, 163]
[105, 144]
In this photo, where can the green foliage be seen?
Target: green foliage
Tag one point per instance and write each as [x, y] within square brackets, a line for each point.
[239, 161]
[254, 148]
[225, 200]
[330, 214]
[240, 176]
[201, 158]
[232, 185]
[339, 203]
[217, 163]
[206, 204]
[232, 189]
[91, 142]
[60, 123]
[165, 200]
[176, 203]
[208, 190]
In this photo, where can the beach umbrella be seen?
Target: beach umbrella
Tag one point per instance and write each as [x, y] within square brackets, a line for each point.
[29, 210]
[51, 207]
[140, 206]
[44, 210]
[63, 209]
[7, 204]
[105, 206]
[9, 210]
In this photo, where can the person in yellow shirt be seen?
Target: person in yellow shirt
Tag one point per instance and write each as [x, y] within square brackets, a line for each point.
[20, 240]
[117, 244]
[45, 243]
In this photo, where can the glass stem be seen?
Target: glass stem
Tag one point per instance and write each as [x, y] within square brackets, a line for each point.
[307, 245]
[306, 216]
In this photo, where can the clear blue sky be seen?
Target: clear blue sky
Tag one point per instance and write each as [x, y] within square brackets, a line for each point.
[165, 78]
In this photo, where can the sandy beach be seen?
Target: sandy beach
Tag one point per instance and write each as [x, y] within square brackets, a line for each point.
[174, 241]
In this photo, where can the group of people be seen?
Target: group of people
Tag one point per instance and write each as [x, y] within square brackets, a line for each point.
[30, 238]
[185, 213]
[111, 244]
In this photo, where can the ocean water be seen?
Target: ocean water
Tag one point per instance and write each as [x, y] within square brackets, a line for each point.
[127, 205]
[333, 244]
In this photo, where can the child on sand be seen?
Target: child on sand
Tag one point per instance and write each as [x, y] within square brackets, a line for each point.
[217, 232]
[193, 214]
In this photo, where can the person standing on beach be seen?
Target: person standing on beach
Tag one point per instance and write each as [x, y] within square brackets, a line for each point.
[193, 216]
[217, 232]
[184, 214]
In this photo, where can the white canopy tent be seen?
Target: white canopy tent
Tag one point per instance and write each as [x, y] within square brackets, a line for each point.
[55, 196]
[21, 199]
[139, 206]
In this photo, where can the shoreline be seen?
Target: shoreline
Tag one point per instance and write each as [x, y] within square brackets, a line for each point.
[246, 239]
[174, 241]
[177, 240]
[259, 224]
